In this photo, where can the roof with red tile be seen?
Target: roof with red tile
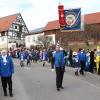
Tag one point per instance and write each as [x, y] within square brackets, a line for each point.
[92, 18]
[6, 22]
[52, 25]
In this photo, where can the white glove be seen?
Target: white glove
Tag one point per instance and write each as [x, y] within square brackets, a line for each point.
[53, 70]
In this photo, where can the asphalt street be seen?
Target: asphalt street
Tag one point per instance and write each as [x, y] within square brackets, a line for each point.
[36, 82]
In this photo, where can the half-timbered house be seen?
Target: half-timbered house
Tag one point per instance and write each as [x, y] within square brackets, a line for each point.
[12, 31]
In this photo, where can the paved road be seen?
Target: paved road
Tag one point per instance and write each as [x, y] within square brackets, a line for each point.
[38, 83]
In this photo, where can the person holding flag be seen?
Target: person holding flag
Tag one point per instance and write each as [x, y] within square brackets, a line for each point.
[59, 63]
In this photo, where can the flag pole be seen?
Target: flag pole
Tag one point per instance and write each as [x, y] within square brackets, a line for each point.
[59, 2]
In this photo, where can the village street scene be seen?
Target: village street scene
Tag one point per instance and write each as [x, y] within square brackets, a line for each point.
[50, 50]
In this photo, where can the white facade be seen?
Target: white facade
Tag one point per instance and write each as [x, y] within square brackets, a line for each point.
[53, 38]
[14, 36]
[32, 39]
[17, 31]
[3, 42]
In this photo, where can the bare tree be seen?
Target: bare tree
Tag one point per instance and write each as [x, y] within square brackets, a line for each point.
[44, 40]
[87, 34]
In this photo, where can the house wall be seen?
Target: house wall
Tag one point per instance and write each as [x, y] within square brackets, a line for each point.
[91, 33]
[3, 42]
[53, 38]
[31, 39]
[15, 34]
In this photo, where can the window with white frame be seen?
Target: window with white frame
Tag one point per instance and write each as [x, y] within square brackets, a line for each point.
[9, 33]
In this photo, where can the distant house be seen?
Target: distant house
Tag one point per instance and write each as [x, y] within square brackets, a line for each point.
[91, 32]
[12, 31]
[32, 38]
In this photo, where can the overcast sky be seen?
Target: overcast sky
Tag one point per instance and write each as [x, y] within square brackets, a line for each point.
[36, 13]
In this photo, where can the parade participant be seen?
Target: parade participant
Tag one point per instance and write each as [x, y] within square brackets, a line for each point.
[91, 61]
[87, 67]
[76, 63]
[44, 56]
[59, 62]
[52, 60]
[29, 57]
[49, 54]
[82, 60]
[69, 57]
[22, 58]
[6, 71]
[40, 55]
[97, 60]
[36, 56]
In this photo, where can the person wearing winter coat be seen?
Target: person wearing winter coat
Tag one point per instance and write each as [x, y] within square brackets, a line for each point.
[97, 61]
[52, 60]
[36, 56]
[22, 57]
[44, 56]
[49, 54]
[59, 63]
[29, 58]
[76, 63]
[87, 67]
[82, 60]
[91, 61]
[6, 71]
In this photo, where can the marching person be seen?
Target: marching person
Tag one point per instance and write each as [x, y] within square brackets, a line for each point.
[97, 60]
[82, 60]
[22, 57]
[59, 62]
[28, 57]
[92, 64]
[52, 60]
[44, 56]
[6, 71]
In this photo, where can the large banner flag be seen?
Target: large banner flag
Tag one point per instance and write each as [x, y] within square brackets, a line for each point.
[61, 15]
[72, 20]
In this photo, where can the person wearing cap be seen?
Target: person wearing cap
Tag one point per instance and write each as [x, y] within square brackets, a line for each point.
[22, 57]
[97, 60]
[59, 63]
[82, 60]
[6, 71]
[44, 56]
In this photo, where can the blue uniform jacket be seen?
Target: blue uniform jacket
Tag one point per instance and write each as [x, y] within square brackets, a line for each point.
[44, 55]
[82, 56]
[59, 59]
[22, 56]
[6, 69]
